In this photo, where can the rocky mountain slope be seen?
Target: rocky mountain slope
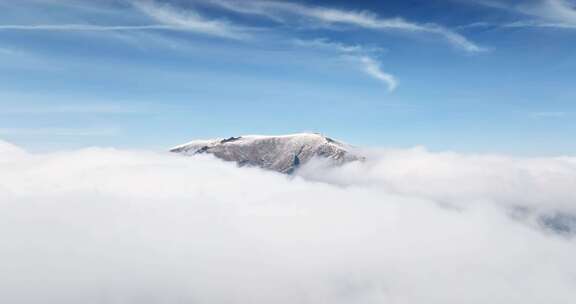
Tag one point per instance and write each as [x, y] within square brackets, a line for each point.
[283, 153]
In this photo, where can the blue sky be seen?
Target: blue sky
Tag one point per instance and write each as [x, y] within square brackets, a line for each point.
[462, 75]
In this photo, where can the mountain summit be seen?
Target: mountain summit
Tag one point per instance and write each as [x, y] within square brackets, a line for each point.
[284, 153]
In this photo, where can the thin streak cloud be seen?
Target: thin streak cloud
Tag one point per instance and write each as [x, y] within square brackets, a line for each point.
[541, 24]
[64, 132]
[106, 28]
[85, 27]
[74, 109]
[549, 114]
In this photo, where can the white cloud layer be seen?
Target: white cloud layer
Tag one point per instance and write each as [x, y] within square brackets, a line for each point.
[542, 185]
[109, 226]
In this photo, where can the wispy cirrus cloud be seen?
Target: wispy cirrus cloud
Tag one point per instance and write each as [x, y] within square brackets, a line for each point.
[358, 54]
[374, 69]
[556, 10]
[559, 14]
[165, 17]
[323, 43]
[157, 19]
[198, 27]
[189, 20]
[285, 12]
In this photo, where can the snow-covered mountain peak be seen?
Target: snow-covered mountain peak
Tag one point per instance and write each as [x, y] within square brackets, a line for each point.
[282, 153]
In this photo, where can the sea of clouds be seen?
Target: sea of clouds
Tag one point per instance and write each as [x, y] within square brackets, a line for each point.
[406, 226]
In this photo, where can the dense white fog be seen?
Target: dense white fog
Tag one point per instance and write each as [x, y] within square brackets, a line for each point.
[406, 227]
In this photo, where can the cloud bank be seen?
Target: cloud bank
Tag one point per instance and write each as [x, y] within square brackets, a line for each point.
[408, 226]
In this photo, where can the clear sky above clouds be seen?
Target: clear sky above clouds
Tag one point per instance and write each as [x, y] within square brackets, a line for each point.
[472, 76]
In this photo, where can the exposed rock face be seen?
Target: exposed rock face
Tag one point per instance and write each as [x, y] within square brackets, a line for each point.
[283, 153]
